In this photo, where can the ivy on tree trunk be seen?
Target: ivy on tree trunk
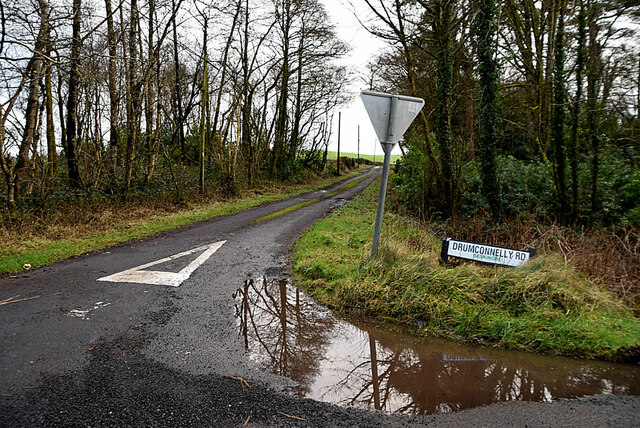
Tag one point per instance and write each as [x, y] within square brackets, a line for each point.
[485, 40]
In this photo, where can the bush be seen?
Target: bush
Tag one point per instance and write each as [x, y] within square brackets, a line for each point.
[526, 189]
[412, 183]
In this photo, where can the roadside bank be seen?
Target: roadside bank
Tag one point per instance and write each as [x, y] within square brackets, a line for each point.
[545, 305]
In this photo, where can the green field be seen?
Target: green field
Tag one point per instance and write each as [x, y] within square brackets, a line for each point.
[379, 156]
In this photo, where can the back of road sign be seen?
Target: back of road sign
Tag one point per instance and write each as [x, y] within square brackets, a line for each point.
[378, 106]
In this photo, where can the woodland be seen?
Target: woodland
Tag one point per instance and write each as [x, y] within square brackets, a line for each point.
[127, 99]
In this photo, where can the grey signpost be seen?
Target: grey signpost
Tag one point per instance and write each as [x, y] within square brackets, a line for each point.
[391, 115]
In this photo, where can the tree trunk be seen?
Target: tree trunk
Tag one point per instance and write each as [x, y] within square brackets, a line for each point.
[151, 143]
[593, 77]
[557, 124]
[469, 110]
[72, 99]
[223, 78]
[52, 155]
[246, 101]
[297, 115]
[179, 117]
[204, 113]
[485, 31]
[113, 89]
[281, 123]
[575, 116]
[442, 29]
[133, 98]
[34, 71]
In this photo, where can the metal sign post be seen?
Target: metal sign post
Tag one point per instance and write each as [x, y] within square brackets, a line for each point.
[391, 115]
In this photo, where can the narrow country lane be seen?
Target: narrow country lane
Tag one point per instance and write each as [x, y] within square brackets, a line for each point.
[145, 334]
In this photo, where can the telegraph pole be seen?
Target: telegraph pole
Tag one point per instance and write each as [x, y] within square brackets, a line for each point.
[358, 146]
[375, 144]
[338, 158]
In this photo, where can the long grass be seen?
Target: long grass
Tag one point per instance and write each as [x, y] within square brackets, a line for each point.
[303, 204]
[610, 257]
[545, 305]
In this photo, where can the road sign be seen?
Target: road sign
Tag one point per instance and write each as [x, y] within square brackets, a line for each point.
[391, 115]
[379, 106]
[484, 253]
[140, 276]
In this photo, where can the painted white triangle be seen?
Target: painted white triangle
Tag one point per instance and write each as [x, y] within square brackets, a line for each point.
[174, 279]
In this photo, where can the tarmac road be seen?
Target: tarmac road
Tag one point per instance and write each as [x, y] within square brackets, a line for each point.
[76, 351]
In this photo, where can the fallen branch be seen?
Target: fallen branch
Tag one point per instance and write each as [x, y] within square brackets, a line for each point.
[293, 417]
[243, 382]
[244, 425]
[15, 299]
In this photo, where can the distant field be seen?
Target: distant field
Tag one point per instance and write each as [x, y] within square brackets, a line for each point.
[379, 156]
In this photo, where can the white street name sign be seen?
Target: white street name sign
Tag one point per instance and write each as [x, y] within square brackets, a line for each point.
[484, 253]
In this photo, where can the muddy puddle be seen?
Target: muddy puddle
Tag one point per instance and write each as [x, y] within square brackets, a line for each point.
[357, 363]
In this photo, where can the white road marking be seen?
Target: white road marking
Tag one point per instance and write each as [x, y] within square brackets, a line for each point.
[77, 313]
[174, 279]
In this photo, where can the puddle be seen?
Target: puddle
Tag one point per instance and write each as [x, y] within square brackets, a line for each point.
[357, 363]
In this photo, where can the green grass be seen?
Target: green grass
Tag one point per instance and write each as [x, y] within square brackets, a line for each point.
[378, 158]
[37, 251]
[544, 305]
[301, 205]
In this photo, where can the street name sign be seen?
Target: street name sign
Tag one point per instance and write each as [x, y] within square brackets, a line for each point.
[484, 253]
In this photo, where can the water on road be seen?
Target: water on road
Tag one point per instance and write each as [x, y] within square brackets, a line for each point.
[357, 363]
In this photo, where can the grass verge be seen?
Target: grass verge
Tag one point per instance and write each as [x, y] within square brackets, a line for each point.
[301, 205]
[544, 305]
[67, 240]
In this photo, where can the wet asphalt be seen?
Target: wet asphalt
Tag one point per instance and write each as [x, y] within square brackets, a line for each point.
[82, 352]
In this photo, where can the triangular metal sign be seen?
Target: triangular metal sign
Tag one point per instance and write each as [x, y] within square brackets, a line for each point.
[174, 279]
[378, 106]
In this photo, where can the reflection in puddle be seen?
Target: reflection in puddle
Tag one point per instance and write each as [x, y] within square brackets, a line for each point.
[356, 363]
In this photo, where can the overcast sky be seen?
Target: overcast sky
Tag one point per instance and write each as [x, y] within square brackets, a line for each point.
[363, 47]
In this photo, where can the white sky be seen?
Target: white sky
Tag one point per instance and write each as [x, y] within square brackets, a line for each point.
[363, 47]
